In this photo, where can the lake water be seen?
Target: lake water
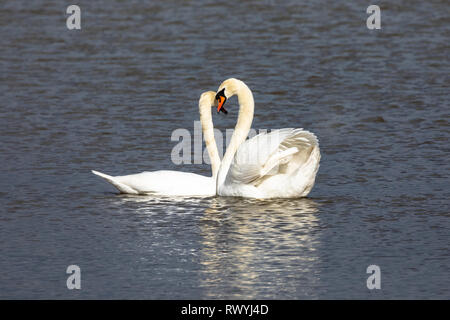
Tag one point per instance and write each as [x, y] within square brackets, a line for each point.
[107, 97]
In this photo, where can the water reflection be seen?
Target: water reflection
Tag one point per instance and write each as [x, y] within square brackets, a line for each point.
[254, 249]
[241, 248]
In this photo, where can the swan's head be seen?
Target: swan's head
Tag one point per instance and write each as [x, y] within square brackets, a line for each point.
[227, 89]
[221, 98]
[208, 99]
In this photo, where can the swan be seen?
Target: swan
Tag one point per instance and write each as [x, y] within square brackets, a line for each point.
[279, 164]
[176, 183]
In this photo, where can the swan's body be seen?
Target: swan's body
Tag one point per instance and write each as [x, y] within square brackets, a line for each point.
[163, 182]
[176, 183]
[279, 164]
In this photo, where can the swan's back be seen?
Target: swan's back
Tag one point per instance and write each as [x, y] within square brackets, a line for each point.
[282, 163]
[164, 182]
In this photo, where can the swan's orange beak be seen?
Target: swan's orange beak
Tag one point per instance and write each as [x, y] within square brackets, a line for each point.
[220, 107]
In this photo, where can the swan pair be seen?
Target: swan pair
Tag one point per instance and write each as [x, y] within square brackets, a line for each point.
[279, 164]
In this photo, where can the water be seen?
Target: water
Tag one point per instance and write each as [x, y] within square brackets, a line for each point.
[108, 97]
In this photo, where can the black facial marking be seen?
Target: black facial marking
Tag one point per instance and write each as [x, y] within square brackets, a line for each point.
[221, 93]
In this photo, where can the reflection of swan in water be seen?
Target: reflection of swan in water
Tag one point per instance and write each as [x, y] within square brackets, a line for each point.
[149, 205]
[255, 249]
[231, 248]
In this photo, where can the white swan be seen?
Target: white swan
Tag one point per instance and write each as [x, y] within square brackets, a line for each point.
[279, 164]
[176, 183]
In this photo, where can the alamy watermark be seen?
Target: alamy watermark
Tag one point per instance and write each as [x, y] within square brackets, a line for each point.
[74, 280]
[189, 149]
[374, 280]
[73, 22]
[374, 20]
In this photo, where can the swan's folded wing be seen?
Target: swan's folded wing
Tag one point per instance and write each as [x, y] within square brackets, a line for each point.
[264, 154]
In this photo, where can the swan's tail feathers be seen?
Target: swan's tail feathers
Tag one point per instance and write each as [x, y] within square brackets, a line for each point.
[123, 188]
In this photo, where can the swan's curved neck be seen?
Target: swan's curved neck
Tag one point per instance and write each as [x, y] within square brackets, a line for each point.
[243, 125]
[208, 134]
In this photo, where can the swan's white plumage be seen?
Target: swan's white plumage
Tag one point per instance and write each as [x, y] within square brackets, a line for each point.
[163, 182]
[282, 163]
[116, 183]
[283, 150]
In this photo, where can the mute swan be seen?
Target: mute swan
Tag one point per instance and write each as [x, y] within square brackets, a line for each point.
[175, 183]
[279, 164]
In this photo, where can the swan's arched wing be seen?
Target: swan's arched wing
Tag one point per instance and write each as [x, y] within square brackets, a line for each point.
[267, 154]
